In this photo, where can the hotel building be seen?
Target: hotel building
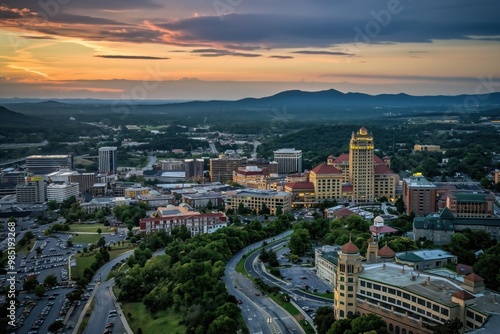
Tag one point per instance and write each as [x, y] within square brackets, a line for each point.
[253, 199]
[169, 217]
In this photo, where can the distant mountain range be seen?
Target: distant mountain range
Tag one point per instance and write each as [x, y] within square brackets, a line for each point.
[325, 104]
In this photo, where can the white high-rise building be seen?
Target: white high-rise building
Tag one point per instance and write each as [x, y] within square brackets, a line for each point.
[61, 192]
[108, 160]
[289, 160]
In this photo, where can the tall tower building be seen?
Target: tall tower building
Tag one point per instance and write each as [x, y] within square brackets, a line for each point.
[361, 167]
[289, 160]
[348, 269]
[108, 160]
[32, 191]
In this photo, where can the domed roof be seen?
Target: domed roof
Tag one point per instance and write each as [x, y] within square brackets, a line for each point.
[331, 156]
[350, 248]
[386, 252]
[378, 219]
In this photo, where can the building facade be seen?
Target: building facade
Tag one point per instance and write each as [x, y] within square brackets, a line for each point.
[32, 191]
[84, 180]
[44, 164]
[289, 160]
[108, 160]
[254, 200]
[468, 204]
[361, 167]
[62, 192]
[419, 195]
[167, 218]
[327, 181]
[408, 300]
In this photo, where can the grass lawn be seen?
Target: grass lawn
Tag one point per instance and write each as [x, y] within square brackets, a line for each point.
[86, 261]
[26, 248]
[89, 228]
[86, 318]
[85, 238]
[82, 262]
[161, 322]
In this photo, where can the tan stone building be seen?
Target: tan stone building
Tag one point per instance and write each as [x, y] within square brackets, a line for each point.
[327, 181]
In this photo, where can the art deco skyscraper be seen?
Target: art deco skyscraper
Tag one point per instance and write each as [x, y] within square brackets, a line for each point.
[361, 168]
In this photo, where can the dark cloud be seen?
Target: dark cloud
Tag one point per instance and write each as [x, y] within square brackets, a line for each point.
[37, 37]
[130, 57]
[417, 51]
[281, 57]
[320, 52]
[222, 53]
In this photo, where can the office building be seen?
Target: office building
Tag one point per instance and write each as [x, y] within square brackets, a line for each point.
[61, 192]
[169, 217]
[200, 200]
[16, 177]
[289, 160]
[419, 195]
[85, 181]
[108, 160]
[32, 191]
[254, 200]
[45, 164]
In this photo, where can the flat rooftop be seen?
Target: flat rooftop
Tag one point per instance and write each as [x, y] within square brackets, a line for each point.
[419, 182]
[440, 289]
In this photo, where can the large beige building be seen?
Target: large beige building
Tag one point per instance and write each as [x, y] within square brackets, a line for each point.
[327, 181]
[253, 199]
[408, 299]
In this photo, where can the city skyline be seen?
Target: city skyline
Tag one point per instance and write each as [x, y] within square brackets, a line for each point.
[225, 49]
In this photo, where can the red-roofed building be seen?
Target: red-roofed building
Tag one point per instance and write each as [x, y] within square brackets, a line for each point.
[386, 252]
[302, 193]
[378, 229]
[327, 181]
[349, 248]
[473, 283]
[340, 213]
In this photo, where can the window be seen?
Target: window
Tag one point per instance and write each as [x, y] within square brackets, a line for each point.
[444, 311]
[350, 288]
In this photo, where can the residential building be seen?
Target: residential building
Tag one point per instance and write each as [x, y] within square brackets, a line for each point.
[419, 195]
[194, 169]
[289, 160]
[244, 175]
[169, 217]
[468, 204]
[325, 259]
[99, 189]
[104, 202]
[61, 192]
[44, 164]
[32, 191]
[425, 259]
[430, 148]
[172, 164]
[440, 226]
[254, 200]
[108, 160]
[338, 212]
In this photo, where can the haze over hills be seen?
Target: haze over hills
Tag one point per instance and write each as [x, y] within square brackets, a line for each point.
[326, 104]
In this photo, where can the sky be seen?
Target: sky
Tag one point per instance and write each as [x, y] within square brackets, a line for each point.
[231, 49]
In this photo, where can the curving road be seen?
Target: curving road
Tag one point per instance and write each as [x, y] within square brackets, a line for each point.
[260, 313]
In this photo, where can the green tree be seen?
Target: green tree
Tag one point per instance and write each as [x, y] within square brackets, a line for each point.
[449, 327]
[400, 205]
[38, 250]
[55, 326]
[279, 211]
[50, 280]
[99, 231]
[300, 242]
[30, 284]
[39, 291]
[324, 319]
[241, 208]
[488, 267]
